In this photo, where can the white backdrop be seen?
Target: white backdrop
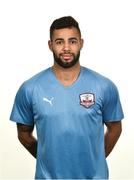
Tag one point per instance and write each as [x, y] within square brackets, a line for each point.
[108, 30]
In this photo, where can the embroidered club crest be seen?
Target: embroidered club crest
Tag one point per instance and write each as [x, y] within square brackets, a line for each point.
[87, 99]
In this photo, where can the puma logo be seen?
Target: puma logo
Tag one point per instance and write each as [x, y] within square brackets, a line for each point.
[49, 101]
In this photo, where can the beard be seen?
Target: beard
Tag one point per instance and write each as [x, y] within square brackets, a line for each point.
[66, 65]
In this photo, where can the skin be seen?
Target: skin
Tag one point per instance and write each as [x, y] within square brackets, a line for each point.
[25, 136]
[112, 135]
[66, 44]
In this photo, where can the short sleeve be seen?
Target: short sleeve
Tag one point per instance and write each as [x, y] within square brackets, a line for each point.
[22, 109]
[112, 109]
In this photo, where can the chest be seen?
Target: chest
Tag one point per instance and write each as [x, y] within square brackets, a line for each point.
[58, 103]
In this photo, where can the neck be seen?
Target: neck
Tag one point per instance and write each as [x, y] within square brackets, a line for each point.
[66, 76]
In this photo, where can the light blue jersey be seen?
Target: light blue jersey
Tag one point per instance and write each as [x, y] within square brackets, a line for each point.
[69, 122]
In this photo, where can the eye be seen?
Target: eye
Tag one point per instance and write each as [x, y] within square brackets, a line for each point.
[73, 41]
[59, 42]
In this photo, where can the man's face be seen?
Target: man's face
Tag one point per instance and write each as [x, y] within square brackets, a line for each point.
[66, 45]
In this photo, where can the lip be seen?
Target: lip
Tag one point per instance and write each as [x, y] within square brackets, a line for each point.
[66, 56]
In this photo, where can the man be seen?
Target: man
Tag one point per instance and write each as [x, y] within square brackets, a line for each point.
[69, 105]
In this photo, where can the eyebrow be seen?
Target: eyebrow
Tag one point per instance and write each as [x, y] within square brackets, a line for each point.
[73, 38]
[61, 39]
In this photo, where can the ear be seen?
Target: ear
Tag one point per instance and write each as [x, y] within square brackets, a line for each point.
[50, 45]
[82, 42]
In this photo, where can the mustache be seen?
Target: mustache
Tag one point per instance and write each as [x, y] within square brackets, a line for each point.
[66, 53]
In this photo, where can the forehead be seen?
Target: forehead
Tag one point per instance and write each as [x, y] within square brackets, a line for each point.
[66, 33]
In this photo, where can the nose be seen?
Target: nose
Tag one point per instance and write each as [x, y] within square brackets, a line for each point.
[66, 46]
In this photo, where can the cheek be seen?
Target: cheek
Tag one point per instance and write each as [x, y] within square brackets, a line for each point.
[76, 48]
[57, 50]
[57, 53]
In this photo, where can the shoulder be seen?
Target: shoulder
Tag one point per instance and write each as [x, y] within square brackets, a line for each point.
[102, 84]
[98, 79]
[29, 85]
